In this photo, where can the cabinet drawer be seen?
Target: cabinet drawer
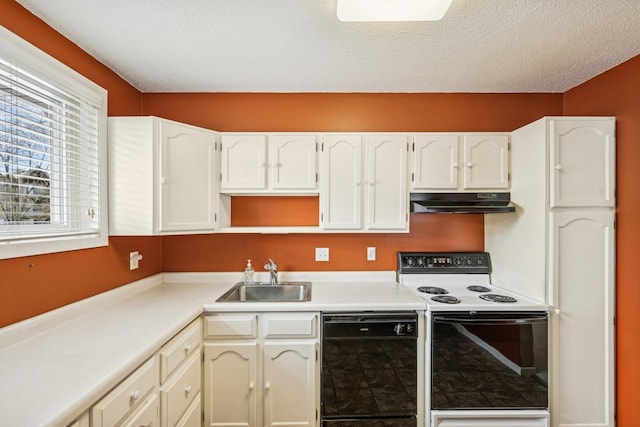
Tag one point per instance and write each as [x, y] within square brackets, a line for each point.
[179, 349]
[193, 416]
[146, 416]
[285, 325]
[179, 392]
[231, 326]
[122, 400]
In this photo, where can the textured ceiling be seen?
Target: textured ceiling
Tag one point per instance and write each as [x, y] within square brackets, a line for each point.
[300, 46]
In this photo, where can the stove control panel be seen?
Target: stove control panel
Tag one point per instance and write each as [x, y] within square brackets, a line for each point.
[444, 262]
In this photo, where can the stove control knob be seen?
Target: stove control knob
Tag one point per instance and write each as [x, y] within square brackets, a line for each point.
[409, 261]
[399, 329]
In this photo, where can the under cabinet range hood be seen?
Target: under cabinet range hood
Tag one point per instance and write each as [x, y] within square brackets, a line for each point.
[470, 203]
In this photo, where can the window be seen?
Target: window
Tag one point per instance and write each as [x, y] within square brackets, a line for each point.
[52, 154]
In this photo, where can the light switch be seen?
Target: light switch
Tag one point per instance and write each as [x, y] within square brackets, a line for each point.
[371, 253]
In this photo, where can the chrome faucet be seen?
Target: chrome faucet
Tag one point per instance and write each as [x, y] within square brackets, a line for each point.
[273, 271]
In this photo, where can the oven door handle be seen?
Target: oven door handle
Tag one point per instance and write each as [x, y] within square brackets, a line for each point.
[489, 322]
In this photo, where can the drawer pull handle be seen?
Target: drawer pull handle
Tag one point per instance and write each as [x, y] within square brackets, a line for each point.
[187, 348]
[187, 390]
[135, 395]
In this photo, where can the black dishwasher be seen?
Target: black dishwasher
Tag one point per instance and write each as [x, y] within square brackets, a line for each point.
[369, 369]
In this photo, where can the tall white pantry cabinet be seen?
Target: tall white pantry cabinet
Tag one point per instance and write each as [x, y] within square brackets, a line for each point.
[559, 247]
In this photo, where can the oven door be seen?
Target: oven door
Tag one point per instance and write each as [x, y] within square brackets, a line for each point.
[489, 360]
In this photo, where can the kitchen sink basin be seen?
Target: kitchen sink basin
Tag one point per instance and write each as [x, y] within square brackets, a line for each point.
[264, 292]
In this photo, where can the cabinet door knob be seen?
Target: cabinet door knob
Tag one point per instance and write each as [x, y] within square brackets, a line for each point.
[558, 167]
[455, 165]
[187, 348]
[267, 386]
[187, 389]
[135, 395]
[163, 180]
[469, 164]
[251, 386]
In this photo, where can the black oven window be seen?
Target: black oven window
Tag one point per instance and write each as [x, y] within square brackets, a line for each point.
[489, 367]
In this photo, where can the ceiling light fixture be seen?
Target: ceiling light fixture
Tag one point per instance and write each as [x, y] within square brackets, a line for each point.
[391, 10]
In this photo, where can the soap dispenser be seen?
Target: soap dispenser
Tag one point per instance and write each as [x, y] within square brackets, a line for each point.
[248, 273]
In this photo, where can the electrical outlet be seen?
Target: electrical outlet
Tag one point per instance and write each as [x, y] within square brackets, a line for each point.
[322, 254]
[371, 253]
[134, 260]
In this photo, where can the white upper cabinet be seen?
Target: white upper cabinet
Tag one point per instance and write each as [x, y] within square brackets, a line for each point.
[268, 163]
[364, 182]
[435, 162]
[582, 169]
[386, 182]
[451, 162]
[243, 162]
[162, 177]
[341, 172]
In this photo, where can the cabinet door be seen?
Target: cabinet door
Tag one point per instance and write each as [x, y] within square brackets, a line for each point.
[188, 185]
[582, 293]
[485, 162]
[244, 163]
[292, 162]
[230, 384]
[341, 196]
[386, 182]
[290, 372]
[582, 162]
[435, 162]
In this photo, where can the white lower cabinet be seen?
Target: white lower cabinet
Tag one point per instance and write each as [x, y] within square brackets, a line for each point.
[82, 421]
[163, 392]
[261, 370]
[125, 401]
[582, 328]
[181, 377]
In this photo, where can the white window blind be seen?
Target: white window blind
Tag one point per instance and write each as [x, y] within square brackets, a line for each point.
[51, 149]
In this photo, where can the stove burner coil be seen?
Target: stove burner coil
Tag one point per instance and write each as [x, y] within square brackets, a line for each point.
[497, 298]
[478, 288]
[432, 290]
[447, 299]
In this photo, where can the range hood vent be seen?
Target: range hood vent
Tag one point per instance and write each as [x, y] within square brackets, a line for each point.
[472, 203]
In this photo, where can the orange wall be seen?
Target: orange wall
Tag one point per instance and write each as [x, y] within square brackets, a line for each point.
[617, 93]
[339, 113]
[33, 285]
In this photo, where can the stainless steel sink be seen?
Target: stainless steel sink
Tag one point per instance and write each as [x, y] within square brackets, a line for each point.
[264, 292]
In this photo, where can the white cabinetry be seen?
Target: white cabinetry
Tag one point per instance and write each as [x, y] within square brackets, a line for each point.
[162, 177]
[180, 378]
[364, 182]
[455, 162]
[136, 397]
[81, 421]
[582, 167]
[559, 247]
[261, 369]
[268, 163]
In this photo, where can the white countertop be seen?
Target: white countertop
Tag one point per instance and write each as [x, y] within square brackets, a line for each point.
[55, 366]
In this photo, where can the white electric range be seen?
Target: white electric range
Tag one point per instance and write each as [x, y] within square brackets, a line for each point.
[454, 281]
[486, 348]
